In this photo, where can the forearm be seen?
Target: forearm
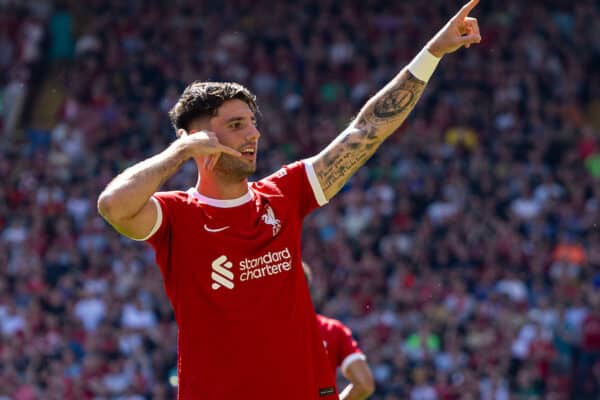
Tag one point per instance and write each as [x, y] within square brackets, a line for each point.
[362, 384]
[388, 109]
[127, 194]
[353, 392]
[377, 120]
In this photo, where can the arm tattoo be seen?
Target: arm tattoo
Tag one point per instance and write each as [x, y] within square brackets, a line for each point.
[397, 100]
[378, 119]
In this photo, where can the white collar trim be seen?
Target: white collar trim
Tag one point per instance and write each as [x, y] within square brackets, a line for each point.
[229, 203]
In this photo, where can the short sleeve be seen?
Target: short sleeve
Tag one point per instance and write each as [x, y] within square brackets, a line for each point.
[348, 348]
[299, 184]
[314, 182]
[160, 236]
[157, 223]
[161, 227]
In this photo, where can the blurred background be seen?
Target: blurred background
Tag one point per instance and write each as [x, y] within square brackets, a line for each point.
[465, 256]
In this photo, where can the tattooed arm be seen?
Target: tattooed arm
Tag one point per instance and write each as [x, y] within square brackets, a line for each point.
[381, 116]
[386, 111]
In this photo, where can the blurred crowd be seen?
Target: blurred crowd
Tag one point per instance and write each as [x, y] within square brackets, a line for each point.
[465, 256]
[21, 46]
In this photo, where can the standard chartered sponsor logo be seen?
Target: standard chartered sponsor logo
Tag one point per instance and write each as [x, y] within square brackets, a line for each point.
[221, 274]
[271, 263]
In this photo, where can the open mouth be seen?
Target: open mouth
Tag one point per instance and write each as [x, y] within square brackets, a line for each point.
[248, 152]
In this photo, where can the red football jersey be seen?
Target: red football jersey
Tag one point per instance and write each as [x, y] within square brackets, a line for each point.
[232, 271]
[341, 347]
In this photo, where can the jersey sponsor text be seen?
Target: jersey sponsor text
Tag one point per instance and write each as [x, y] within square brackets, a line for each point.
[271, 263]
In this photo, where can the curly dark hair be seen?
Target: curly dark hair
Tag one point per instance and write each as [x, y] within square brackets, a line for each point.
[204, 99]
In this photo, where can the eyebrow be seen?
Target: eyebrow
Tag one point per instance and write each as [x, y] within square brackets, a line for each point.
[236, 119]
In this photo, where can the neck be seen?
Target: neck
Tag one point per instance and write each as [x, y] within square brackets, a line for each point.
[218, 187]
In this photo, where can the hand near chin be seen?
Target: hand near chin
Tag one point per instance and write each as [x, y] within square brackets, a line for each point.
[205, 144]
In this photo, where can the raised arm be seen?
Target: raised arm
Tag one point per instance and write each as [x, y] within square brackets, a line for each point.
[126, 202]
[385, 112]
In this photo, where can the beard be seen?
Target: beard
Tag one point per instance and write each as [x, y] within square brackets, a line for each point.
[234, 167]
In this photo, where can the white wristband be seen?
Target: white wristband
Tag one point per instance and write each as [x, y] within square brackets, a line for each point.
[423, 65]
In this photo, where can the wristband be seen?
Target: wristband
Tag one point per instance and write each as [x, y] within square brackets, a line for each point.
[423, 65]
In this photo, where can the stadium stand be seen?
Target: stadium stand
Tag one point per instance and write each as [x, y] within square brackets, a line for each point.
[465, 256]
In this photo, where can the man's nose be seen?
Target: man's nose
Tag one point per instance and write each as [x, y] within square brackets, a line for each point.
[253, 133]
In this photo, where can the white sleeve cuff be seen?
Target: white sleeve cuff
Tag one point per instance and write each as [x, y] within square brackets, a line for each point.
[157, 224]
[350, 359]
[314, 182]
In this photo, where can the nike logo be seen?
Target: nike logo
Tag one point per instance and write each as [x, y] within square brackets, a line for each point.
[206, 228]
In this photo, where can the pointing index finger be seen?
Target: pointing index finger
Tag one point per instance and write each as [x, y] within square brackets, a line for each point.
[466, 9]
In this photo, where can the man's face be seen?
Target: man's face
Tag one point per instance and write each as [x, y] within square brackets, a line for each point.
[235, 127]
